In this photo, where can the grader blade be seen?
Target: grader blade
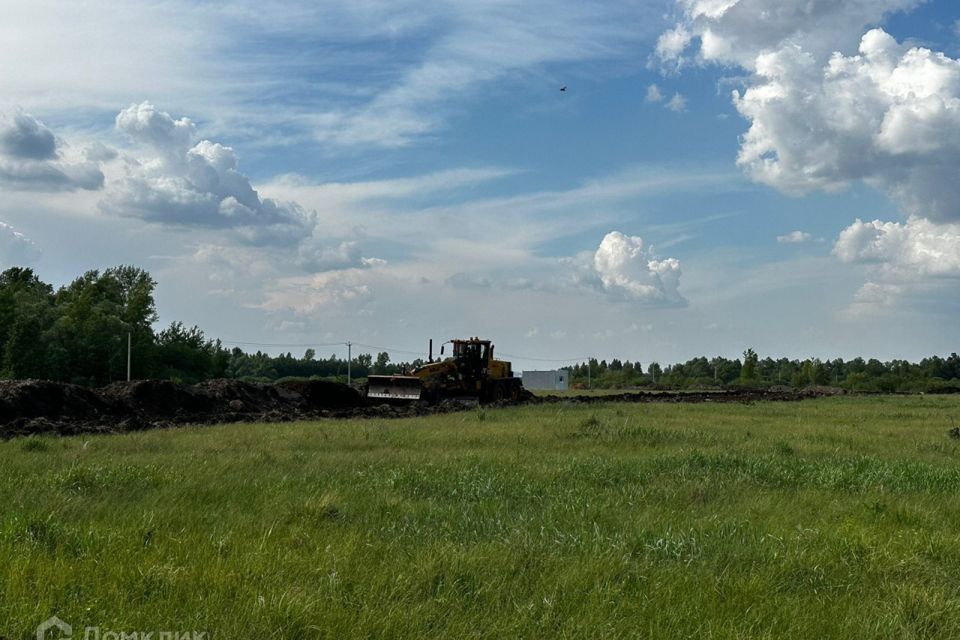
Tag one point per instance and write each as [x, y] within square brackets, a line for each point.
[394, 387]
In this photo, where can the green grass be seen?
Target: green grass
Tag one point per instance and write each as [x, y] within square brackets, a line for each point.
[833, 518]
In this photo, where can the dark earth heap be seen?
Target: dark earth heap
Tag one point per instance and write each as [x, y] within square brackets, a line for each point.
[38, 406]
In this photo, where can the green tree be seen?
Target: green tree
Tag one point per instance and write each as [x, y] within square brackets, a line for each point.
[655, 372]
[383, 359]
[26, 315]
[748, 371]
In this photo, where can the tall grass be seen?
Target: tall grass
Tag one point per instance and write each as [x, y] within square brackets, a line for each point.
[832, 518]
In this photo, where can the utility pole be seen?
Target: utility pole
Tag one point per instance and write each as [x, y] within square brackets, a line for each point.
[349, 358]
[129, 340]
[589, 371]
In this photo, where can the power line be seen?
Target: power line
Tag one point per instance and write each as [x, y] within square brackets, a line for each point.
[285, 344]
[513, 355]
[391, 349]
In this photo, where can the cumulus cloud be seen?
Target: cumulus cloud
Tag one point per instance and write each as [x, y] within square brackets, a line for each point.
[889, 116]
[195, 183]
[735, 32]
[917, 247]
[825, 113]
[622, 268]
[625, 267]
[900, 258]
[654, 94]
[26, 138]
[144, 123]
[16, 249]
[32, 159]
[795, 237]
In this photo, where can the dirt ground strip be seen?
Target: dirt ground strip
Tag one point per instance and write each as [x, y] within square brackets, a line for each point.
[37, 406]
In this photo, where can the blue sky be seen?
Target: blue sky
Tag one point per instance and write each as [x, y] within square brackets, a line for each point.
[719, 174]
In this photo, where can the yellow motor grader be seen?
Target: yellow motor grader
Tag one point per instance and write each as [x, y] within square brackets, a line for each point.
[470, 373]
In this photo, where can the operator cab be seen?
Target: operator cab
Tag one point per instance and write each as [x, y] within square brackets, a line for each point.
[472, 350]
[472, 356]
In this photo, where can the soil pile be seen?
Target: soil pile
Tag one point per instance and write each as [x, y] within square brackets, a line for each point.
[736, 395]
[321, 394]
[36, 406]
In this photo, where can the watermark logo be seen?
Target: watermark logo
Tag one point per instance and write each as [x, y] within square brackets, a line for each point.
[48, 630]
[57, 629]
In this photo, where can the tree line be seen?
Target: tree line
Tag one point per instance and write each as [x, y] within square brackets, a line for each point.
[79, 332]
[930, 374]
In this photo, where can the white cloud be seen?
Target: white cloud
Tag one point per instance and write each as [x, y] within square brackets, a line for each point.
[193, 183]
[824, 116]
[625, 267]
[737, 31]
[913, 248]
[901, 258]
[677, 103]
[889, 116]
[821, 120]
[16, 249]
[145, 124]
[671, 44]
[653, 94]
[26, 138]
[32, 159]
[795, 237]
[306, 295]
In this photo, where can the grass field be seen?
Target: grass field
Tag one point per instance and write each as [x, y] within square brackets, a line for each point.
[831, 518]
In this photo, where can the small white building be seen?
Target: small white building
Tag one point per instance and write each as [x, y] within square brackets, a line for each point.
[556, 380]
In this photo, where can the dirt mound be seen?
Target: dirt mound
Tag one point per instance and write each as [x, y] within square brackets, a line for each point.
[223, 396]
[735, 395]
[21, 399]
[33, 406]
[154, 398]
[321, 394]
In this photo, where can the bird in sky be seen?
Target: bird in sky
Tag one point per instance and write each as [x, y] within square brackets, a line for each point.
[563, 88]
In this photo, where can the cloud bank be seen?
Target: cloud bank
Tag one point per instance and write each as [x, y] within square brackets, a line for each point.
[735, 32]
[32, 159]
[195, 183]
[917, 247]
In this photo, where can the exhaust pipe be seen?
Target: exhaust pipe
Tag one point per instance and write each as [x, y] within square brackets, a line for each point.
[430, 358]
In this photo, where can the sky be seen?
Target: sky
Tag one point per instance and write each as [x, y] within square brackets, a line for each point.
[717, 175]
